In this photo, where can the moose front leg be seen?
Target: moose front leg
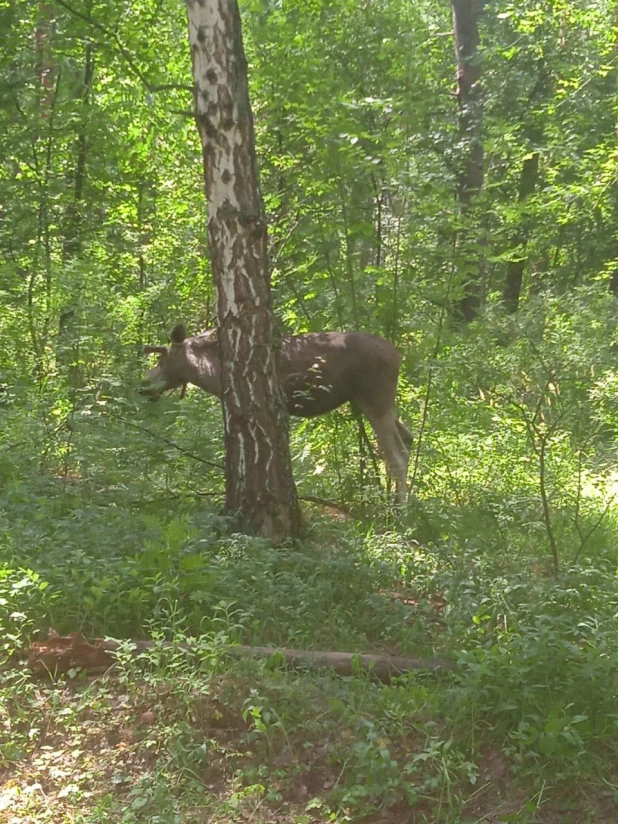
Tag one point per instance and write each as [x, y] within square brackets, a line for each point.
[393, 449]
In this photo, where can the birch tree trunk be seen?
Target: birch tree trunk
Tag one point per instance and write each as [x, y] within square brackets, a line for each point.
[260, 488]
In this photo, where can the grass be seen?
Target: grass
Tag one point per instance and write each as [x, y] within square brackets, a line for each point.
[524, 730]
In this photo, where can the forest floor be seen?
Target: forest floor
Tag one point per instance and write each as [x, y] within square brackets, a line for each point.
[103, 755]
[522, 730]
[182, 741]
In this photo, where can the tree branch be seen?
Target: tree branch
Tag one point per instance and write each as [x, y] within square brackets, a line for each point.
[169, 442]
[126, 54]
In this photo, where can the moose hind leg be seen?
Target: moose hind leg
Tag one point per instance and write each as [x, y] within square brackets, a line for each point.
[405, 434]
[393, 449]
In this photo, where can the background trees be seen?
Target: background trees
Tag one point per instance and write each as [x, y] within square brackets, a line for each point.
[360, 145]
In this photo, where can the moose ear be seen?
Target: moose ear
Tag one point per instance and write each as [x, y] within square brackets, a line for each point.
[154, 350]
[178, 333]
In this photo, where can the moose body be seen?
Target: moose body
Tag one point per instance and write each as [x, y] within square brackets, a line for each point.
[319, 372]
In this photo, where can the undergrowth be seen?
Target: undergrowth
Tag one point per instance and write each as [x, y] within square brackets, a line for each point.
[526, 721]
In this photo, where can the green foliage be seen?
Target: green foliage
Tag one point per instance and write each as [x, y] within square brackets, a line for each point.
[505, 560]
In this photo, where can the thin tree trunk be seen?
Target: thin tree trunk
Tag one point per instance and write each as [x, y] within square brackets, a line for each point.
[470, 181]
[44, 66]
[349, 254]
[613, 285]
[67, 352]
[515, 269]
[43, 146]
[73, 217]
[260, 488]
[392, 326]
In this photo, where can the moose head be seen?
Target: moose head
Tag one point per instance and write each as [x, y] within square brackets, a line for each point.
[181, 363]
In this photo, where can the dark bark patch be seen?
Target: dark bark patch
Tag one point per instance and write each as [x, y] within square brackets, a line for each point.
[206, 128]
[226, 106]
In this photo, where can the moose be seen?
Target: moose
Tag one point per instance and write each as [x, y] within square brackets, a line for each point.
[319, 372]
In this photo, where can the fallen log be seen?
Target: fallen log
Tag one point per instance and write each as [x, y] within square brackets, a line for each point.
[382, 667]
[60, 654]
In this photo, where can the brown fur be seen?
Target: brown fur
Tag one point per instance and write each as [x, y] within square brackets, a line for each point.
[319, 372]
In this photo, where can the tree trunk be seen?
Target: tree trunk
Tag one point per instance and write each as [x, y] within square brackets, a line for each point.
[44, 62]
[515, 268]
[470, 182]
[260, 488]
[73, 217]
[613, 284]
[47, 76]
[67, 350]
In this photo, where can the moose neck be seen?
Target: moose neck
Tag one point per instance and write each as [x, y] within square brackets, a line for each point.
[204, 365]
